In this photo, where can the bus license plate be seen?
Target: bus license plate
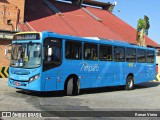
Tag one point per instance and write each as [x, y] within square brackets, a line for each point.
[17, 83]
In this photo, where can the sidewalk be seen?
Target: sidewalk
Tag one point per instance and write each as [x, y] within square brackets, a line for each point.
[4, 84]
[3, 81]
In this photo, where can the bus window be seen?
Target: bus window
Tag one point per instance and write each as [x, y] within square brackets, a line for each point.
[73, 50]
[119, 55]
[52, 53]
[141, 56]
[130, 55]
[150, 56]
[105, 53]
[90, 51]
[26, 55]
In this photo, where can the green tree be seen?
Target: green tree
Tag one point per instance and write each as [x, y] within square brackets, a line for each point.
[142, 30]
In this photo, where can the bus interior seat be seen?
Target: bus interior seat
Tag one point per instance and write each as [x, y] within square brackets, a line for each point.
[109, 57]
[88, 56]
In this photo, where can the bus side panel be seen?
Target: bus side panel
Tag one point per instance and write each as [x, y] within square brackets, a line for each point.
[106, 76]
[68, 68]
[50, 78]
[98, 73]
[118, 72]
[144, 73]
[89, 70]
[139, 74]
[129, 68]
[150, 72]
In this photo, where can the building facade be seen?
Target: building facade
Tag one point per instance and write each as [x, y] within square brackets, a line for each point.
[11, 14]
[63, 18]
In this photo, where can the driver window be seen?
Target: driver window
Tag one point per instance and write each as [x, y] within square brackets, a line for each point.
[52, 53]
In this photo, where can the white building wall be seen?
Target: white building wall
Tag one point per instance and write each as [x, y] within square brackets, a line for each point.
[158, 62]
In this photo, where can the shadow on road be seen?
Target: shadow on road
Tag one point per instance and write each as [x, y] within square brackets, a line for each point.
[147, 85]
[88, 91]
[42, 94]
[119, 88]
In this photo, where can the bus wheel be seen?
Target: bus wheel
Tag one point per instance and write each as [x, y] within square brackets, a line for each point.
[129, 83]
[73, 87]
[69, 89]
[76, 87]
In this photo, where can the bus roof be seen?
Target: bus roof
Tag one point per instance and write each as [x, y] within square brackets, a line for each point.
[96, 40]
[88, 39]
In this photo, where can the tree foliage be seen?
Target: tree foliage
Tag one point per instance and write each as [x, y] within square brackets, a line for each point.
[142, 29]
[143, 24]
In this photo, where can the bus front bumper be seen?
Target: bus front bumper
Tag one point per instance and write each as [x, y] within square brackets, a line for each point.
[25, 85]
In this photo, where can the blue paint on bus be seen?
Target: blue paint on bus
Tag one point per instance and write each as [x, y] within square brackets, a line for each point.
[31, 69]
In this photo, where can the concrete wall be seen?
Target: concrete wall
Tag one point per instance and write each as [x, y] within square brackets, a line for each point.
[158, 62]
[11, 11]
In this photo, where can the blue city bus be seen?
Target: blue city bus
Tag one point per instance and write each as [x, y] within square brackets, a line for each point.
[46, 61]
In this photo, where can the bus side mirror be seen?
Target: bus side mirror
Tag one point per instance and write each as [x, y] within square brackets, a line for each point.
[7, 51]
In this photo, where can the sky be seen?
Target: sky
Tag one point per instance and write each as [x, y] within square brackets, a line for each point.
[132, 10]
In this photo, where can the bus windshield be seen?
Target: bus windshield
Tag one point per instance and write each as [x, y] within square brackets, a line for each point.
[26, 55]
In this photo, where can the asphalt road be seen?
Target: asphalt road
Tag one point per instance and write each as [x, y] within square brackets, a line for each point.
[146, 97]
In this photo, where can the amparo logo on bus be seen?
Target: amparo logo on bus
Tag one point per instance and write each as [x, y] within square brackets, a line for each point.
[89, 68]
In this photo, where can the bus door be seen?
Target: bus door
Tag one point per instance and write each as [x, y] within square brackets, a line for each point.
[52, 61]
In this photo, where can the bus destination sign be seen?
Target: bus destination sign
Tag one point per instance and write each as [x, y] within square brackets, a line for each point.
[31, 36]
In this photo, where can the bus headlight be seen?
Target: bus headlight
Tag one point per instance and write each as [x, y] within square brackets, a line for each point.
[34, 78]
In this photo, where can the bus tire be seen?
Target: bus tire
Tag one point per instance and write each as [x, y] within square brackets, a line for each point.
[73, 87]
[130, 83]
[69, 89]
[76, 87]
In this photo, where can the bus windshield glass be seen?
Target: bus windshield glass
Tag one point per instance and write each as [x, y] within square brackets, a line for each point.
[26, 55]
